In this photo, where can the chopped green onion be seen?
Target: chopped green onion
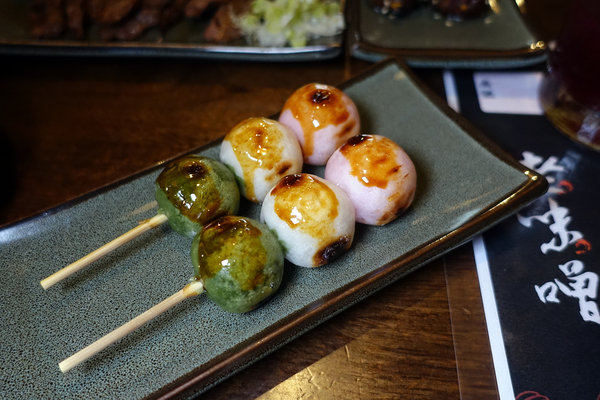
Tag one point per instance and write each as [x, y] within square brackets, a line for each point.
[272, 23]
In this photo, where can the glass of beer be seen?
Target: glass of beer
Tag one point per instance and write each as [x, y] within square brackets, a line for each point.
[570, 91]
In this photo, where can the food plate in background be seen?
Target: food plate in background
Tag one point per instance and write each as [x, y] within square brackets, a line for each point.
[500, 38]
[183, 39]
[465, 186]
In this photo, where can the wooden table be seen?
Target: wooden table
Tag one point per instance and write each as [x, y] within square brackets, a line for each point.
[69, 126]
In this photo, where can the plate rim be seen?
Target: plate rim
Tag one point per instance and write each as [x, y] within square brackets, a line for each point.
[26, 47]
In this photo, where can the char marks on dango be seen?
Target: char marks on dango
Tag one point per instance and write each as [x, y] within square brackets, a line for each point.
[194, 170]
[322, 108]
[182, 194]
[333, 250]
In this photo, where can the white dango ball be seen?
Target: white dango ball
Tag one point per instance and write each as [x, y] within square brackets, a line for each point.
[378, 176]
[313, 219]
[260, 151]
[322, 117]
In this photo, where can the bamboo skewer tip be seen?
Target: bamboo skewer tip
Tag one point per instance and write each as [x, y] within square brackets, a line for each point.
[193, 288]
[70, 269]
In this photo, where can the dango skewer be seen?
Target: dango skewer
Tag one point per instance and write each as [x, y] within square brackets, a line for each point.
[238, 262]
[259, 151]
[305, 219]
[190, 192]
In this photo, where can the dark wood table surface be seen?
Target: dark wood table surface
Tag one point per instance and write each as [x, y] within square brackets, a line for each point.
[70, 126]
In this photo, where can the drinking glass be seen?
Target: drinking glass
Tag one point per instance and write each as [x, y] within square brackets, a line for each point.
[570, 90]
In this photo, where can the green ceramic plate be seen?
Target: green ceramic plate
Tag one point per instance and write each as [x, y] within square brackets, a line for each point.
[183, 39]
[465, 186]
[498, 39]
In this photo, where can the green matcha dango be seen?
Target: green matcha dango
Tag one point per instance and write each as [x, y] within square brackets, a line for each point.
[239, 261]
[190, 192]
[194, 190]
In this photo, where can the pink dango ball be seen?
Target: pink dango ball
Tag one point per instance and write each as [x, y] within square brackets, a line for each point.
[377, 175]
[322, 117]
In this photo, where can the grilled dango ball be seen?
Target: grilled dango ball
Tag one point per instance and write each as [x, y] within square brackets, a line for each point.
[239, 262]
[322, 117]
[312, 218]
[378, 176]
[260, 151]
[194, 190]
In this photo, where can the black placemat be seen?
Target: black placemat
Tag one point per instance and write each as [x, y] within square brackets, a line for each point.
[543, 262]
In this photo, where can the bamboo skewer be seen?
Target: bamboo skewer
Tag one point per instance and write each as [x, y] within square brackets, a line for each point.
[70, 269]
[191, 289]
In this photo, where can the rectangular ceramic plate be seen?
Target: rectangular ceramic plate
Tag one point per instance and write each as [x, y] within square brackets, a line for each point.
[465, 186]
[184, 39]
[498, 39]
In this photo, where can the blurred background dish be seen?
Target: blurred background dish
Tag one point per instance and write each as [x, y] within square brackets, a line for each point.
[173, 28]
[431, 34]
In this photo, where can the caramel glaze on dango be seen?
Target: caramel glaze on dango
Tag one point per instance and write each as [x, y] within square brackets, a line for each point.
[239, 261]
[306, 204]
[259, 148]
[178, 181]
[223, 232]
[373, 161]
[316, 108]
[375, 165]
